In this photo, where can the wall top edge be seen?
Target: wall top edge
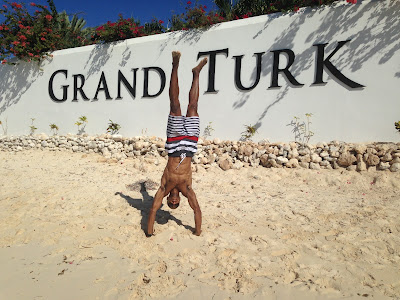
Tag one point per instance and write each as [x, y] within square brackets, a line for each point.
[216, 27]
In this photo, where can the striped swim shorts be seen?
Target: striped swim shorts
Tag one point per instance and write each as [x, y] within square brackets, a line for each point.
[182, 135]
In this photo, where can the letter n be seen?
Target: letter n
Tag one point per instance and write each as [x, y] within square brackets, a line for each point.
[130, 88]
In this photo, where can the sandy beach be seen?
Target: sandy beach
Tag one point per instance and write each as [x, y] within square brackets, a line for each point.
[71, 227]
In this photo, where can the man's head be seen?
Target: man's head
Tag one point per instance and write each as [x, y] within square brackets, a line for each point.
[173, 199]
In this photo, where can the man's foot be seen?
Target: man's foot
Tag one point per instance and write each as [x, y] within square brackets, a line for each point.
[176, 55]
[197, 69]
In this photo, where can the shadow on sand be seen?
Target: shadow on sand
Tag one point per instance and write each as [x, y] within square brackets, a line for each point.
[143, 205]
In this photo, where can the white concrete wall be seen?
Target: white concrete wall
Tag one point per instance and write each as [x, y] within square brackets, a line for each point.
[371, 58]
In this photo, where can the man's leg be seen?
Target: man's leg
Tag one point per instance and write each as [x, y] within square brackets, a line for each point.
[175, 107]
[194, 90]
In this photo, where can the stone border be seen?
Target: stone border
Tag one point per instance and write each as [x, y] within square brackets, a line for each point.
[226, 154]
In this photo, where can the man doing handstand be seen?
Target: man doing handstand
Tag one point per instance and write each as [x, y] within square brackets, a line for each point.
[182, 136]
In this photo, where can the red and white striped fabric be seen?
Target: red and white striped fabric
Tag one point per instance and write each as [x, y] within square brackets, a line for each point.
[182, 135]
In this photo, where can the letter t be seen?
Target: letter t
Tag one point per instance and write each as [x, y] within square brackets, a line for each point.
[211, 68]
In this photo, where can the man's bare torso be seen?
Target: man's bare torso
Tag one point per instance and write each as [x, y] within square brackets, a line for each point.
[177, 175]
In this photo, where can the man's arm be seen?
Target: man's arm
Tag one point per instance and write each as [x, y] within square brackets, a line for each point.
[196, 209]
[157, 201]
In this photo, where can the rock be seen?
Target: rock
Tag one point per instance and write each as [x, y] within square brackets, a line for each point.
[304, 165]
[395, 160]
[273, 163]
[216, 141]
[360, 148]
[292, 163]
[372, 169]
[92, 145]
[372, 160]
[395, 167]
[43, 136]
[117, 137]
[295, 153]
[304, 151]
[160, 144]
[335, 154]
[281, 160]
[361, 165]
[305, 158]
[211, 158]
[324, 163]
[247, 150]
[203, 160]
[75, 148]
[264, 160]
[225, 164]
[315, 166]
[383, 166]
[196, 159]
[346, 159]
[139, 145]
[315, 158]
[387, 157]
[237, 165]
[351, 168]
[44, 144]
[324, 154]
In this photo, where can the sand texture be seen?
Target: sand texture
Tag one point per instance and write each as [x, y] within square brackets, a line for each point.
[72, 227]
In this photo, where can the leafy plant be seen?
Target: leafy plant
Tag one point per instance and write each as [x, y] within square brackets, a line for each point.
[31, 34]
[208, 130]
[195, 17]
[32, 127]
[113, 128]
[397, 125]
[301, 129]
[54, 128]
[81, 121]
[250, 131]
[120, 30]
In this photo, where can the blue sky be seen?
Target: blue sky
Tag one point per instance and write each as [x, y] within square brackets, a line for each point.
[97, 12]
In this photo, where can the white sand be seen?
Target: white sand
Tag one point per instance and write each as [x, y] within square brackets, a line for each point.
[70, 229]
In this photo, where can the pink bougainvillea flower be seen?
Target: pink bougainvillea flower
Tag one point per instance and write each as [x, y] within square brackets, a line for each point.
[189, 2]
[49, 17]
[161, 21]
[1, 27]
[296, 9]
[3, 61]
[30, 54]
[42, 38]
[32, 4]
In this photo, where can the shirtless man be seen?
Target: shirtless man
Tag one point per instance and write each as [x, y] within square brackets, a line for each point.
[182, 135]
